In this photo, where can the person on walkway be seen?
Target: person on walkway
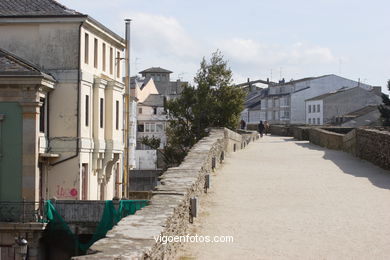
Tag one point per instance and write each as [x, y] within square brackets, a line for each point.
[261, 128]
[242, 124]
[267, 128]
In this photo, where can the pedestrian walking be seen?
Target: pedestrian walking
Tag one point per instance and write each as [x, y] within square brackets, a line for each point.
[261, 128]
[267, 129]
[242, 124]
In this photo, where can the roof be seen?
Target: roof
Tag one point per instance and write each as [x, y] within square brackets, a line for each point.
[320, 97]
[47, 9]
[154, 100]
[12, 65]
[301, 80]
[18, 8]
[361, 111]
[155, 70]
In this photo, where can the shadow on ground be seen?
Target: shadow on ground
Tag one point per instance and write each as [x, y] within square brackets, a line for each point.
[351, 165]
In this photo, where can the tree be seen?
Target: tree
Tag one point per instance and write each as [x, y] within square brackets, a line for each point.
[214, 102]
[384, 109]
[152, 142]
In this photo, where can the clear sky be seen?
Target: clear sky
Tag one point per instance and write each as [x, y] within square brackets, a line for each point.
[260, 39]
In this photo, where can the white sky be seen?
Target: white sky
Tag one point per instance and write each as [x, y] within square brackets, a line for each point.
[260, 39]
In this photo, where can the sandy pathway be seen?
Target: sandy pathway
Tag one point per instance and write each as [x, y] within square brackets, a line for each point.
[286, 199]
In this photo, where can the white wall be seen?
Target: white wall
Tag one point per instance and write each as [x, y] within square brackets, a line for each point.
[318, 87]
[314, 114]
[146, 159]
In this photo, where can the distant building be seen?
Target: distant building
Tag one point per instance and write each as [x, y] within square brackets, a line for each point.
[151, 121]
[161, 77]
[284, 102]
[344, 105]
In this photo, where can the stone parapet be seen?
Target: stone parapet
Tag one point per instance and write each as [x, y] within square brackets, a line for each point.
[169, 211]
[374, 146]
[371, 144]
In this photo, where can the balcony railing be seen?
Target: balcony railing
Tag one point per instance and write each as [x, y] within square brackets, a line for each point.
[22, 211]
[71, 211]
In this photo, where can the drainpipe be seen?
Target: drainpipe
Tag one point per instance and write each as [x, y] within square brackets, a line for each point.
[78, 104]
[127, 111]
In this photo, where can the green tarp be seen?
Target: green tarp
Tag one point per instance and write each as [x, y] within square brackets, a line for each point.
[110, 218]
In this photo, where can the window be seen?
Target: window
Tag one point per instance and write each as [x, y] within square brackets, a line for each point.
[309, 108]
[140, 128]
[140, 110]
[104, 56]
[117, 115]
[95, 53]
[86, 110]
[155, 110]
[309, 121]
[117, 181]
[318, 108]
[111, 61]
[101, 112]
[84, 181]
[314, 108]
[159, 128]
[42, 115]
[118, 67]
[147, 128]
[318, 121]
[86, 48]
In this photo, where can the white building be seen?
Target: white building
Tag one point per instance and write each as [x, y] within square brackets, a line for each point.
[85, 122]
[151, 121]
[285, 101]
[329, 108]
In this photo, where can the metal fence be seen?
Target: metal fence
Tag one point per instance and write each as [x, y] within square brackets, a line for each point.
[21, 211]
[80, 211]
[72, 211]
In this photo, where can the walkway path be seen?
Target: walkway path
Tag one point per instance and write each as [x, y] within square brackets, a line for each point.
[287, 199]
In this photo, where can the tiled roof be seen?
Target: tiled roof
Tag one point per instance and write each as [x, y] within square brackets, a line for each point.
[154, 100]
[17, 8]
[12, 65]
[155, 70]
[320, 97]
[362, 111]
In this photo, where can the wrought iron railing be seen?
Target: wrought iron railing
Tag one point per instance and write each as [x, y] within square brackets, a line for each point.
[21, 211]
[72, 211]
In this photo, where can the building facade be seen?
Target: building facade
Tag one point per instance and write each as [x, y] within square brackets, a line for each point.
[161, 77]
[284, 102]
[85, 111]
[24, 91]
[333, 108]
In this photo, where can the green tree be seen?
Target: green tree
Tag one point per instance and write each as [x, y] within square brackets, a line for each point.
[384, 109]
[152, 142]
[214, 102]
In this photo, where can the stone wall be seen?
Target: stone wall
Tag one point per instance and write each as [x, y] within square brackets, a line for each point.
[374, 146]
[326, 138]
[168, 212]
[370, 144]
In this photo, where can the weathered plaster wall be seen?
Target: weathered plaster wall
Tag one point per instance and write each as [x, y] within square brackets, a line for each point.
[168, 212]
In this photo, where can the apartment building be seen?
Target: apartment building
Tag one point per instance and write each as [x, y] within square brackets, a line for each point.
[84, 127]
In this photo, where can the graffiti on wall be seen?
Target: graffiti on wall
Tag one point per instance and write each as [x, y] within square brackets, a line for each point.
[63, 192]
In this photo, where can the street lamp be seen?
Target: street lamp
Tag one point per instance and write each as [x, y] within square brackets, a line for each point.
[22, 246]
